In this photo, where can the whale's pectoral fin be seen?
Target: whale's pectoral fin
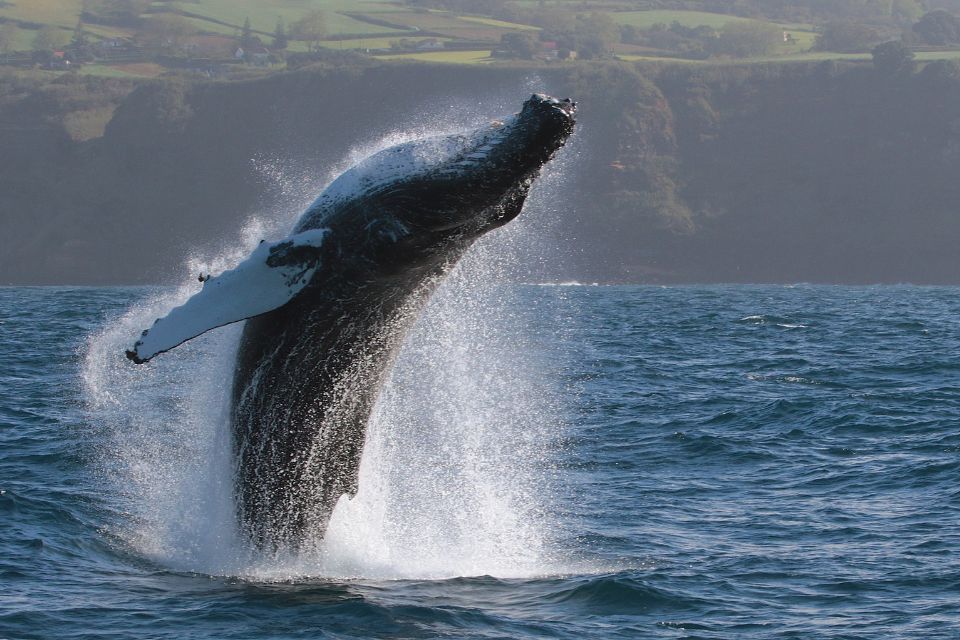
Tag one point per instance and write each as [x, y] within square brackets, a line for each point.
[268, 279]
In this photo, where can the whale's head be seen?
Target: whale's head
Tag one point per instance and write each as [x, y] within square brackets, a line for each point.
[481, 179]
[536, 133]
[425, 193]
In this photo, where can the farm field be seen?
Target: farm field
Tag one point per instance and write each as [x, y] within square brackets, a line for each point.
[490, 22]
[23, 39]
[453, 57]
[263, 14]
[137, 70]
[804, 40]
[61, 13]
[809, 56]
[803, 36]
[360, 25]
[367, 43]
[646, 19]
[451, 25]
[206, 26]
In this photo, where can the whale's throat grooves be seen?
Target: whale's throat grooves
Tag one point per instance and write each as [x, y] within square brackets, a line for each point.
[307, 378]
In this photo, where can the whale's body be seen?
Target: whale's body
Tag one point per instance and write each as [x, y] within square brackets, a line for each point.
[329, 306]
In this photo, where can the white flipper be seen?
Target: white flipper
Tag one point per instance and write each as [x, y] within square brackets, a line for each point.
[268, 279]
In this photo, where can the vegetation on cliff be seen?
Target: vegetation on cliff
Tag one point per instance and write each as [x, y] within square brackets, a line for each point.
[814, 172]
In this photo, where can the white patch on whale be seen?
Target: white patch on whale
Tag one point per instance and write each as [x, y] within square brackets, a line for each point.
[452, 153]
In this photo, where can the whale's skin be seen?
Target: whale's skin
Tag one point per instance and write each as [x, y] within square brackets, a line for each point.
[308, 373]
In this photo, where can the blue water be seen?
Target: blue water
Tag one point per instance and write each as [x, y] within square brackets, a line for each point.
[714, 462]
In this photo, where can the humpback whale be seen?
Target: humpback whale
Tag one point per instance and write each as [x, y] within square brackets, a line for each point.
[327, 307]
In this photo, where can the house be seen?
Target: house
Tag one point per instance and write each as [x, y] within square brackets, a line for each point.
[259, 56]
[549, 50]
[59, 61]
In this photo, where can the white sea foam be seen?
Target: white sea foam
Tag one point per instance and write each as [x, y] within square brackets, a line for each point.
[568, 283]
[455, 473]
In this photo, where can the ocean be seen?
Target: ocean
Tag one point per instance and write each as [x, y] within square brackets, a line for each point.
[544, 462]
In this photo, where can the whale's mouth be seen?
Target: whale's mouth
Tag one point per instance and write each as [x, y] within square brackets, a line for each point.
[538, 131]
[553, 117]
[547, 111]
[541, 101]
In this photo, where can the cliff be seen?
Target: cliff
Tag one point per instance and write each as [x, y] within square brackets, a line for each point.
[763, 173]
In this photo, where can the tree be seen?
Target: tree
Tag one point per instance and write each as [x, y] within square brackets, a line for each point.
[941, 75]
[80, 48]
[747, 39]
[520, 44]
[79, 36]
[938, 28]
[595, 34]
[166, 30]
[846, 36]
[280, 39]
[906, 10]
[247, 40]
[48, 39]
[891, 58]
[556, 21]
[311, 28]
[630, 34]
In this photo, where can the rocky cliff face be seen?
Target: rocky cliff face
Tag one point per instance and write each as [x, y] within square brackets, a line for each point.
[786, 173]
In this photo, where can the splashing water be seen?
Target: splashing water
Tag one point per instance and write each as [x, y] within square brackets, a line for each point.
[455, 477]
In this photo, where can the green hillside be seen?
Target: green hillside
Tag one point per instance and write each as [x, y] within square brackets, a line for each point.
[125, 37]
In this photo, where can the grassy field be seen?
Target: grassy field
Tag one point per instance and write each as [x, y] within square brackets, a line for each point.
[646, 19]
[926, 56]
[804, 36]
[370, 43]
[452, 57]
[626, 57]
[104, 31]
[23, 39]
[263, 14]
[804, 39]
[500, 23]
[139, 70]
[63, 13]
[212, 27]
[810, 56]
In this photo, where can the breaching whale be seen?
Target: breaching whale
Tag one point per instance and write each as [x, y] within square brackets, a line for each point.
[327, 307]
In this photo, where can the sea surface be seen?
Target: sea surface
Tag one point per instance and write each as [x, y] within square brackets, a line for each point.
[545, 462]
